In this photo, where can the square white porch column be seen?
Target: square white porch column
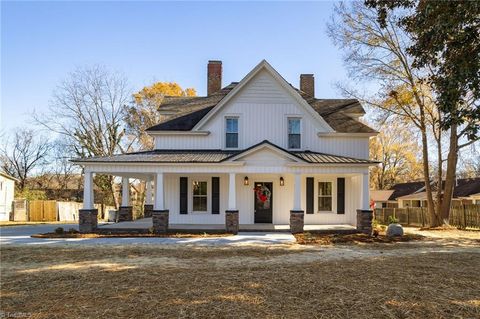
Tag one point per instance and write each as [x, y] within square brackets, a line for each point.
[232, 194]
[148, 191]
[159, 202]
[365, 199]
[297, 195]
[125, 192]
[88, 190]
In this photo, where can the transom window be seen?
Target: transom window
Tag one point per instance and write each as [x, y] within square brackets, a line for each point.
[231, 138]
[199, 196]
[294, 136]
[325, 196]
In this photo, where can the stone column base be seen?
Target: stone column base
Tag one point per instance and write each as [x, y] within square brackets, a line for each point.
[125, 213]
[296, 221]
[147, 210]
[87, 220]
[160, 221]
[231, 221]
[364, 221]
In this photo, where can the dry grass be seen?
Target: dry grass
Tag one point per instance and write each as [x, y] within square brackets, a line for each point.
[152, 282]
[14, 223]
[333, 239]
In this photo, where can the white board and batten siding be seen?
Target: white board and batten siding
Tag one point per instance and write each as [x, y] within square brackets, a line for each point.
[263, 107]
[7, 189]
[282, 199]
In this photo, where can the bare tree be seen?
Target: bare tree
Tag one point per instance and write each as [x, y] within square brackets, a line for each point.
[23, 154]
[87, 112]
[378, 54]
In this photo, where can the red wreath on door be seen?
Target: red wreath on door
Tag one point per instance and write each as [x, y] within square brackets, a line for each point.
[263, 193]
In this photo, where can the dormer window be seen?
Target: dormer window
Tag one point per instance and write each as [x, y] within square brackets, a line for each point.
[231, 132]
[294, 135]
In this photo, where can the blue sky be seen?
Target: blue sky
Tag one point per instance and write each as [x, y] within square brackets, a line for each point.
[41, 42]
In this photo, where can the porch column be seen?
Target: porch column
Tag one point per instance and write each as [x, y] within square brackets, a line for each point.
[88, 190]
[148, 207]
[297, 214]
[365, 214]
[231, 215]
[125, 213]
[88, 215]
[365, 192]
[159, 212]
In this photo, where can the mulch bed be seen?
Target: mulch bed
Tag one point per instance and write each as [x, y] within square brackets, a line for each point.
[333, 239]
[130, 235]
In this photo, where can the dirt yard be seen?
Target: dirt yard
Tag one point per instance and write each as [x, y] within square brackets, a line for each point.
[424, 279]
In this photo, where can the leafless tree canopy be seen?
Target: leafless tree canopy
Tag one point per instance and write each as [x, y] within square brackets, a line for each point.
[24, 153]
[87, 110]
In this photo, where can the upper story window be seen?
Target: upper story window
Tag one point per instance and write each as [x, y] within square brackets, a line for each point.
[231, 131]
[294, 135]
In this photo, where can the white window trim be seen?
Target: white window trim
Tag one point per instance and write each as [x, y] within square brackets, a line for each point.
[288, 117]
[232, 116]
[334, 195]
[190, 194]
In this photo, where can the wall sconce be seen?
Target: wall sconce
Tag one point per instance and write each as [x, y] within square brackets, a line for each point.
[245, 181]
[282, 181]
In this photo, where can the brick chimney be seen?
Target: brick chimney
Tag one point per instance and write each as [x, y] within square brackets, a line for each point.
[307, 84]
[214, 80]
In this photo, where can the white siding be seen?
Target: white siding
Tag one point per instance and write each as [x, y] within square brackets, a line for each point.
[263, 107]
[282, 199]
[7, 188]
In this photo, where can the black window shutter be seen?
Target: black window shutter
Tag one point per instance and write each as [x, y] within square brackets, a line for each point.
[340, 195]
[215, 195]
[183, 195]
[310, 199]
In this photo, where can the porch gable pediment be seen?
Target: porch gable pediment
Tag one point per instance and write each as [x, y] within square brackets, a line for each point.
[266, 153]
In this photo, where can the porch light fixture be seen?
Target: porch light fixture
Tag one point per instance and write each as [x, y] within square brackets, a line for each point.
[245, 181]
[282, 181]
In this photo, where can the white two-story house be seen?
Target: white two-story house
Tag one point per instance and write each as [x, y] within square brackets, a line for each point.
[255, 151]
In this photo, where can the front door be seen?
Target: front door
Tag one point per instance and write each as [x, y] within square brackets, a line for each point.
[263, 198]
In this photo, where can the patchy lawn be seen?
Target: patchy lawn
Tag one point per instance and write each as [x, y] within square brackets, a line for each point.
[229, 282]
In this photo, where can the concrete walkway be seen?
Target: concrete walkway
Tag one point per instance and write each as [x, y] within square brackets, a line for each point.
[20, 235]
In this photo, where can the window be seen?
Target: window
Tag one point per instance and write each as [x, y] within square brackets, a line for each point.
[294, 136]
[199, 196]
[325, 196]
[231, 138]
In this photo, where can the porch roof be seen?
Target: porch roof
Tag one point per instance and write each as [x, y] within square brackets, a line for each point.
[216, 156]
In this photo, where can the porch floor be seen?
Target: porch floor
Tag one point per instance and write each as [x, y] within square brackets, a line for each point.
[145, 223]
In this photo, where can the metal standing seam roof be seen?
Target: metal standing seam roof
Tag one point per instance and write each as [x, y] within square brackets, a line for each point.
[214, 156]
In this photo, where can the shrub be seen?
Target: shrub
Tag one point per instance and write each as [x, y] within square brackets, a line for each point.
[59, 231]
[392, 220]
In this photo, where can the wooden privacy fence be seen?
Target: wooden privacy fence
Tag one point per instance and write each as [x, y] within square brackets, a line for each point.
[42, 210]
[462, 216]
[51, 210]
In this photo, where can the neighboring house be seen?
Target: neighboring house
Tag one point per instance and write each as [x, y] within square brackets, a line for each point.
[258, 148]
[380, 199]
[466, 191]
[7, 194]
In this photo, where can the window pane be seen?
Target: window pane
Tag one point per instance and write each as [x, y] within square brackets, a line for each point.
[232, 125]
[293, 140]
[200, 204]
[324, 203]
[232, 140]
[293, 126]
[324, 188]
[199, 188]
